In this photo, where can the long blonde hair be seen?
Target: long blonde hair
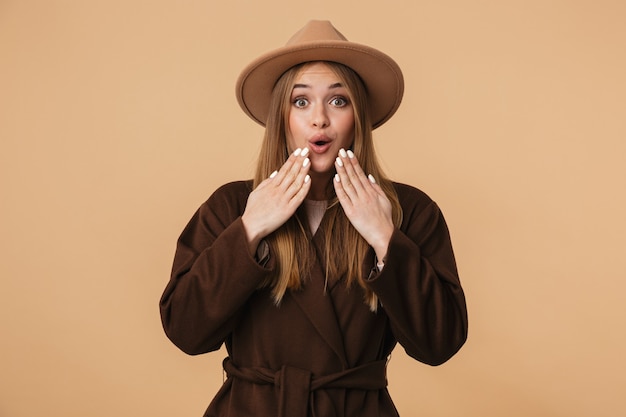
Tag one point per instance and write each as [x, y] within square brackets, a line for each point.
[344, 247]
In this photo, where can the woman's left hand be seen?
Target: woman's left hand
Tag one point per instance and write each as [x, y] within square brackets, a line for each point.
[364, 202]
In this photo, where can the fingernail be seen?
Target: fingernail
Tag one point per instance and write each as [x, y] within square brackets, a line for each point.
[307, 179]
[273, 174]
[297, 152]
[305, 152]
[337, 178]
[350, 154]
[305, 162]
[338, 160]
[371, 178]
[342, 153]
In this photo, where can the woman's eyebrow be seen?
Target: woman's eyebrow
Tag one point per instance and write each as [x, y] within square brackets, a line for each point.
[330, 87]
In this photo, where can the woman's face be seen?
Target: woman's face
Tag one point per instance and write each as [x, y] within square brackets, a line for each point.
[321, 117]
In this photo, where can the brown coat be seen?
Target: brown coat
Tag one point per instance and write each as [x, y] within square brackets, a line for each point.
[317, 354]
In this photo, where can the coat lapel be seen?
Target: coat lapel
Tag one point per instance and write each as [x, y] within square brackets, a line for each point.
[316, 303]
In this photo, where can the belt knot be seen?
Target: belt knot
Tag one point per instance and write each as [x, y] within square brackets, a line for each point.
[296, 385]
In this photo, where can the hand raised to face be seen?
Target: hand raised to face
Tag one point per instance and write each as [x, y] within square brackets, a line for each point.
[364, 202]
[277, 198]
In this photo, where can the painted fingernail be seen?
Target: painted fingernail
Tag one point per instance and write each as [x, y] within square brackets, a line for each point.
[371, 178]
[305, 162]
[342, 153]
[273, 174]
[338, 160]
[297, 152]
[350, 154]
[304, 152]
[337, 178]
[307, 179]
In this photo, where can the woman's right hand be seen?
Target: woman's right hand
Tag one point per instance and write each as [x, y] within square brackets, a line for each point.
[277, 198]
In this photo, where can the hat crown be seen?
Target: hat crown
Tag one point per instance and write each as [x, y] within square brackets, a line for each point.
[315, 31]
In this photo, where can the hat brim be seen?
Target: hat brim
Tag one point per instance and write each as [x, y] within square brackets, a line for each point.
[381, 75]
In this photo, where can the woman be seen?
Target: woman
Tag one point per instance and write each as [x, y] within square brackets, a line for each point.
[312, 272]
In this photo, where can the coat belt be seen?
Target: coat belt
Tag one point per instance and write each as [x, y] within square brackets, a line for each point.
[296, 385]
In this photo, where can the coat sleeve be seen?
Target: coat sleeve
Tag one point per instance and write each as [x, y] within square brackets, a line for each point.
[213, 275]
[419, 286]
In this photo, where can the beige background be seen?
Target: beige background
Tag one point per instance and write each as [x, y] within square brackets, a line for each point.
[118, 118]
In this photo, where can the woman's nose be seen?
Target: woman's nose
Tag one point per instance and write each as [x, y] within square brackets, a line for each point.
[320, 117]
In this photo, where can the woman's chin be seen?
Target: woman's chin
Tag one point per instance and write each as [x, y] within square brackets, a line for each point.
[322, 170]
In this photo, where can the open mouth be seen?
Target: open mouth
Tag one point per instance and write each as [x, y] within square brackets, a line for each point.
[320, 145]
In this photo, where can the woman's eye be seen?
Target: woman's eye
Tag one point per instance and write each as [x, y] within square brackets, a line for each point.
[339, 102]
[300, 102]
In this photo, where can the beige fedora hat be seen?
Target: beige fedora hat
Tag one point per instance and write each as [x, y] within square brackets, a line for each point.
[318, 40]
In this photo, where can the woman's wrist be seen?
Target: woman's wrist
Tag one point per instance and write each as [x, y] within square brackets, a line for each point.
[252, 237]
[380, 248]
